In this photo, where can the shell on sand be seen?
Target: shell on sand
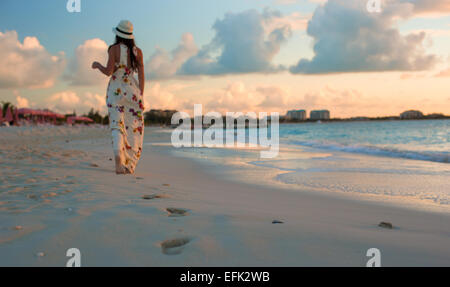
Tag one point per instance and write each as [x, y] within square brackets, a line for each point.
[174, 246]
[154, 196]
[176, 211]
[387, 225]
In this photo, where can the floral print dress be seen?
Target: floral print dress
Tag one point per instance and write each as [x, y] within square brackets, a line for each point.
[125, 110]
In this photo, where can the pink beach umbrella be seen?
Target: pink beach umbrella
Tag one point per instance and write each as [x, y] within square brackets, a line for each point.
[85, 119]
[40, 118]
[25, 111]
[59, 116]
[9, 116]
[16, 117]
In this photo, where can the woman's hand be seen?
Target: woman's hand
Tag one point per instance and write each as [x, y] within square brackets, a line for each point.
[95, 65]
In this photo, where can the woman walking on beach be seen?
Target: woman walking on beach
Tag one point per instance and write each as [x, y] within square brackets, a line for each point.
[125, 98]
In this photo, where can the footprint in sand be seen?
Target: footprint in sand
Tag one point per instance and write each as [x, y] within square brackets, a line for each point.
[176, 212]
[154, 196]
[386, 225]
[277, 221]
[66, 154]
[174, 246]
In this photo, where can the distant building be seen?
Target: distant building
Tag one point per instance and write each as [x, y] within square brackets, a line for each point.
[320, 115]
[296, 115]
[412, 114]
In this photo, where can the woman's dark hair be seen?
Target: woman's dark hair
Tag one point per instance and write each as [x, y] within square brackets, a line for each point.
[130, 44]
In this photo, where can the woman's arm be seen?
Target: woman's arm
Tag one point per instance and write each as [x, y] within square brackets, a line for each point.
[141, 73]
[109, 69]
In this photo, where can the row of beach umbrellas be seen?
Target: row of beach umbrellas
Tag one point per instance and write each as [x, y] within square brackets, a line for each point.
[13, 115]
[42, 113]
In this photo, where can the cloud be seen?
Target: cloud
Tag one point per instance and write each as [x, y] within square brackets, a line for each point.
[285, 2]
[349, 39]
[22, 102]
[430, 6]
[240, 97]
[444, 73]
[157, 96]
[241, 45]
[163, 64]
[290, 2]
[408, 76]
[63, 102]
[27, 64]
[296, 21]
[79, 71]
[237, 97]
[342, 102]
[95, 101]
[273, 97]
[68, 101]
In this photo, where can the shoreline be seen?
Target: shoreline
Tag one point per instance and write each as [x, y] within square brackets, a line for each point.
[263, 174]
[225, 223]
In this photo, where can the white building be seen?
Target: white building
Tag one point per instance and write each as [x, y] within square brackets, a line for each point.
[411, 115]
[320, 115]
[296, 115]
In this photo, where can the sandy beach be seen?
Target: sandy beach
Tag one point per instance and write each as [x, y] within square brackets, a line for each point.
[58, 191]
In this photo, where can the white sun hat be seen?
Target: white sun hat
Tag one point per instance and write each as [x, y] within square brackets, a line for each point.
[124, 30]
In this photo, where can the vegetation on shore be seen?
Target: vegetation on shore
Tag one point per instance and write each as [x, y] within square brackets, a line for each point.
[164, 117]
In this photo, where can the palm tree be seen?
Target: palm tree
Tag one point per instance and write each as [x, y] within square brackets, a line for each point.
[6, 105]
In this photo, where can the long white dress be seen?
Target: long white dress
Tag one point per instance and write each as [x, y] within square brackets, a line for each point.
[125, 109]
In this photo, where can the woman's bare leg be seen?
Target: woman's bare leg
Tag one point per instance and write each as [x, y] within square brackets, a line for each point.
[119, 167]
[117, 147]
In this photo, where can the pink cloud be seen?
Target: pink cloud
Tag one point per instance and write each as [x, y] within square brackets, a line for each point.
[27, 64]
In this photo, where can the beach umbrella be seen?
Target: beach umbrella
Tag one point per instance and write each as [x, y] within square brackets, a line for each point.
[16, 117]
[8, 116]
[25, 111]
[59, 116]
[84, 119]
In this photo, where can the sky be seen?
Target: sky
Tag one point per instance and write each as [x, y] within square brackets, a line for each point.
[234, 55]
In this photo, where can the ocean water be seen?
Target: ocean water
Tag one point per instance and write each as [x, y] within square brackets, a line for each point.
[422, 140]
[396, 162]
